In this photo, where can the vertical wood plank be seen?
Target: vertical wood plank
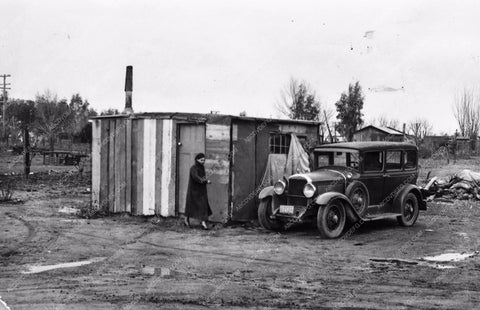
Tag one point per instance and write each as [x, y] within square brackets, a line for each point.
[168, 165]
[173, 168]
[96, 157]
[128, 166]
[139, 172]
[158, 166]
[149, 167]
[135, 147]
[111, 167]
[120, 165]
[104, 158]
[117, 167]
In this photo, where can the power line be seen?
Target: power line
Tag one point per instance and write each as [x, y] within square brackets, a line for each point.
[4, 118]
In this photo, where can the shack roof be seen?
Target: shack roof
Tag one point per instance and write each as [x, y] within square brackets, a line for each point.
[203, 117]
[387, 130]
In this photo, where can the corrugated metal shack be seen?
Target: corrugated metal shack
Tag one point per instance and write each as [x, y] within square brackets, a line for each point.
[140, 162]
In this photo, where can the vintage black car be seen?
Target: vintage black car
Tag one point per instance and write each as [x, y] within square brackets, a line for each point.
[350, 182]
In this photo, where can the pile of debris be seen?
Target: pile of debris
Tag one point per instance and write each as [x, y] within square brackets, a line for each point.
[464, 185]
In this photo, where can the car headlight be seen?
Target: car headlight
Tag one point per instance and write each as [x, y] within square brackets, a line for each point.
[309, 190]
[279, 187]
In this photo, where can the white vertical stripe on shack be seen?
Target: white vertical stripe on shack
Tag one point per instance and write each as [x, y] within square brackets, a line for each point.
[167, 163]
[149, 137]
[96, 144]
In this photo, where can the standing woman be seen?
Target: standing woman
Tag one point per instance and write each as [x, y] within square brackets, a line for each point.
[197, 201]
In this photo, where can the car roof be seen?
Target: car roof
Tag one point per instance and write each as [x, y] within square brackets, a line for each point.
[369, 145]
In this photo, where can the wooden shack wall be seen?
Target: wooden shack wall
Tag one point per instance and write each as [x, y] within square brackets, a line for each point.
[251, 139]
[132, 162]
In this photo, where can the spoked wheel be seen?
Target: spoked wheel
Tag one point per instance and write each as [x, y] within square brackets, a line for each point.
[409, 210]
[331, 219]
[264, 212]
[358, 194]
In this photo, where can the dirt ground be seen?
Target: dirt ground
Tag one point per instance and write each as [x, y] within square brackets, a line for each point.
[153, 263]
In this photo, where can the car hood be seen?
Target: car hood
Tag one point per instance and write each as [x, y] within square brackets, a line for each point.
[325, 175]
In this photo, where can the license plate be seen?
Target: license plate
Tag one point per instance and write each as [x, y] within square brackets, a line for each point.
[286, 209]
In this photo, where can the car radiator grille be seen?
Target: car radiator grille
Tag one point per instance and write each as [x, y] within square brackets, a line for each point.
[295, 186]
[297, 201]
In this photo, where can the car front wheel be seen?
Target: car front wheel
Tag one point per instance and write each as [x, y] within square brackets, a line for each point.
[331, 219]
[409, 210]
[264, 213]
[358, 194]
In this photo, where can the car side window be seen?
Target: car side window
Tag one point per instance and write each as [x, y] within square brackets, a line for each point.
[410, 159]
[373, 161]
[394, 160]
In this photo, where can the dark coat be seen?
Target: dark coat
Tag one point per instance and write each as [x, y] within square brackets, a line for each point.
[197, 205]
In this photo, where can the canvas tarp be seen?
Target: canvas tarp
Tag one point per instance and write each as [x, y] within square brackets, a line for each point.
[275, 169]
[297, 159]
[279, 165]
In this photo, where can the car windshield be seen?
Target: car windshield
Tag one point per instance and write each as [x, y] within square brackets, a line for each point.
[337, 157]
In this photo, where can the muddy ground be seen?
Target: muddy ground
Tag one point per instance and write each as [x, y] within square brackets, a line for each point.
[155, 263]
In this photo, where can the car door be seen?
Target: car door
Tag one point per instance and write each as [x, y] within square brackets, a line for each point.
[372, 176]
[395, 176]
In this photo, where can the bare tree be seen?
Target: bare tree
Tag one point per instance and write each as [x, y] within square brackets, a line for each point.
[467, 112]
[53, 116]
[297, 101]
[388, 122]
[419, 129]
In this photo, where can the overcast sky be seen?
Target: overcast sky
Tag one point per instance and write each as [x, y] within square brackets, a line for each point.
[411, 57]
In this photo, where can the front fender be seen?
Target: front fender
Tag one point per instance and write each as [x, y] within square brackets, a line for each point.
[409, 188]
[325, 198]
[267, 191]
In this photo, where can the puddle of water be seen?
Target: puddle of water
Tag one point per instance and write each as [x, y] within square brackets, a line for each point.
[449, 257]
[38, 269]
[3, 305]
[437, 266]
[68, 210]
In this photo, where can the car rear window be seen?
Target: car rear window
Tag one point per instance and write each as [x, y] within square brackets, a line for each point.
[410, 159]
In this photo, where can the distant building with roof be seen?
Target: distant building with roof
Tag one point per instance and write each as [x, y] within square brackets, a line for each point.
[378, 133]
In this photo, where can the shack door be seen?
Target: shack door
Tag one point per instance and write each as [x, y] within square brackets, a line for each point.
[243, 176]
[191, 140]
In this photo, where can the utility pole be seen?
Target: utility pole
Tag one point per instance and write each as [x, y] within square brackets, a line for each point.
[4, 118]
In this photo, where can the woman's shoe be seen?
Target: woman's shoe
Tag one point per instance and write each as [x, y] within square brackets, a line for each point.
[204, 226]
[186, 222]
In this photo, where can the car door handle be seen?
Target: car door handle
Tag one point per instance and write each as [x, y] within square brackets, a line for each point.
[386, 175]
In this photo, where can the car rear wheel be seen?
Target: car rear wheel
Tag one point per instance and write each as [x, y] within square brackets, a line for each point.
[331, 219]
[358, 194]
[409, 210]
[264, 213]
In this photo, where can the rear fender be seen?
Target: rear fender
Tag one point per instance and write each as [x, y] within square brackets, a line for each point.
[325, 198]
[266, 192]
[409, 188]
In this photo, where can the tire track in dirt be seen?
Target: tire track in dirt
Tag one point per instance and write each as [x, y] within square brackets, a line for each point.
[31, 233]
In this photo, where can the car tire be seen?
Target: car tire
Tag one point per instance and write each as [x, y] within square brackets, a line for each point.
[331, 219]
[357, 192]
[409, 209]
[264, 212]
